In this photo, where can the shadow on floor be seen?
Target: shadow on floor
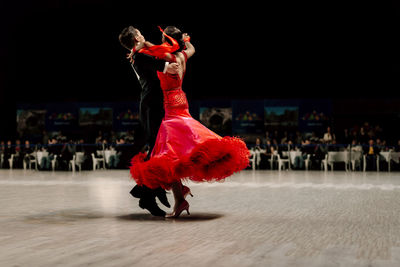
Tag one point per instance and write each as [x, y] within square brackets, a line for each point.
[183, 218]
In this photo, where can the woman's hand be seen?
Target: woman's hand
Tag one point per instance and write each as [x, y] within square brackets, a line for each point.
[186, 37]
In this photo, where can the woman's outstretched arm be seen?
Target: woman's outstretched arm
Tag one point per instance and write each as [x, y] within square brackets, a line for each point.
[165, 56]
[189, 47]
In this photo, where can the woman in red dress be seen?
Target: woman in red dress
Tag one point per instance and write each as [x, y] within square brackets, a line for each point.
[185, 149]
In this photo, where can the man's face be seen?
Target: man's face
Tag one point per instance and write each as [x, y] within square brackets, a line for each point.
[139, 37]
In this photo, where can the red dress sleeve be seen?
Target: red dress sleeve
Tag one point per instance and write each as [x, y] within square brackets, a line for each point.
[162, 49]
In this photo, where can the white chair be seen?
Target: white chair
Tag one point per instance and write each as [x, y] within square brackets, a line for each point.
[97, 162]
[324, 163]
[76, 160]
[390, 156]
[53, 162]
[30, 161]
[355, 159]
[39, 156]
[336, 156]
[271, 161]
[307, 161]
[282, 162]
[256, 158]
[11, 161]
[252, 159]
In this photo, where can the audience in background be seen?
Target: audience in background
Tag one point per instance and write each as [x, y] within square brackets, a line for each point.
[370, 140]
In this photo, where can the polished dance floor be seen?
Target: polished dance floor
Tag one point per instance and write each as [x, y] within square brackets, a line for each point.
[256, 218]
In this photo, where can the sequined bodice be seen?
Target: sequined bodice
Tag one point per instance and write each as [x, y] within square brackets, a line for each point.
[175, 101]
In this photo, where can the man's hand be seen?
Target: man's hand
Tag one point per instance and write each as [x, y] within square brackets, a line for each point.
[172, 68]
[138, 46]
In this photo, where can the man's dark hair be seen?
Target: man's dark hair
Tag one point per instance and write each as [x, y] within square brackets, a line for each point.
[127, 37]
[175, 33]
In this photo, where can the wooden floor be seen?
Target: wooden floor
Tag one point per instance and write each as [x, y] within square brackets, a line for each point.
[255, 218]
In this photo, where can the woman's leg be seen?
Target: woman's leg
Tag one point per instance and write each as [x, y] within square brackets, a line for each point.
[178, 195]
[180, 203]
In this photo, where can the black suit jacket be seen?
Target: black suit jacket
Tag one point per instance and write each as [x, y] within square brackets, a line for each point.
[151, 98]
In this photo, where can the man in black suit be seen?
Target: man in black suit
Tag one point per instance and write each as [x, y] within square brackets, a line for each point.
[371, 151]
[151, 112]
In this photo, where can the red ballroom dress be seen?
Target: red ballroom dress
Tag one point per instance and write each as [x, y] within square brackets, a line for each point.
[184, 148]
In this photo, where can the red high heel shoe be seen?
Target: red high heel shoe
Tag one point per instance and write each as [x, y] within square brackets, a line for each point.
[186, 191]
[183, 206]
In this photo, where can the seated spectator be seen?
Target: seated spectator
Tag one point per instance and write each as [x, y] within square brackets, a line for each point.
[354, 146]
[86, 149]
[269, 152]
[329, 136]
[291, 146]
[54, 150]
[99, 137]
[333, 146]
[27, 152]
[66, 154]
[371, 152]
[18, 158]
[363, 137]
[345, 138]
[320, 153]
[298, 140]
[397, 147]
[285, 138]
[267, 137]
[256, 151]
[283, 149]
[115, 160]
[382, 145]
[314, 138]
[307, 149]
[8, 151]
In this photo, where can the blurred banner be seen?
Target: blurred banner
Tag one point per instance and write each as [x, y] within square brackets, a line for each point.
[248, 117]
[315, 115]
[126, 116]
[217, 116]
[30, 122]
[225, 117]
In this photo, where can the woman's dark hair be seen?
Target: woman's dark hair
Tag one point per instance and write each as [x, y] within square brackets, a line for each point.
[127, 37]
[175, 33]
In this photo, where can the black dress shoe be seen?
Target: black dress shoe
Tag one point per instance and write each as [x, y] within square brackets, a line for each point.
[162, 196]
[137, 191]
[151, 205]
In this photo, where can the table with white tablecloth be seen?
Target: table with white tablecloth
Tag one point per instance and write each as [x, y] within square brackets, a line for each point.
[390, 155]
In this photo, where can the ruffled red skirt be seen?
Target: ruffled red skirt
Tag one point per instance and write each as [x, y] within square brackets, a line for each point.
[186, 149]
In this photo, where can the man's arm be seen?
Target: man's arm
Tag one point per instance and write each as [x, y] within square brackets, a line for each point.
[149, 63]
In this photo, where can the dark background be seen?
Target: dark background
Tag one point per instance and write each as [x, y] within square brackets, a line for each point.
[68, 50]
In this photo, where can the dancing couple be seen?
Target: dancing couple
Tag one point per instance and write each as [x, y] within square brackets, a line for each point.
[181, 148]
